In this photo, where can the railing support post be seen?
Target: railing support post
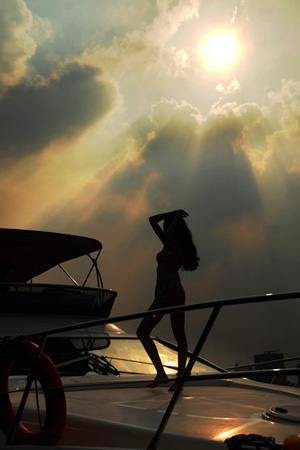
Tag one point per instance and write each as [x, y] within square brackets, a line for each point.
[30, 378]
[156, 438]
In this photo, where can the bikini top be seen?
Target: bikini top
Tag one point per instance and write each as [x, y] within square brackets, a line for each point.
[167, 256]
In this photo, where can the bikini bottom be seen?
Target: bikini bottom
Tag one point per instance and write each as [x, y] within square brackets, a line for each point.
[164, 293]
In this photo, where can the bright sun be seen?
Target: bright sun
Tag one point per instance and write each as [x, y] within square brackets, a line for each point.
[219, 50]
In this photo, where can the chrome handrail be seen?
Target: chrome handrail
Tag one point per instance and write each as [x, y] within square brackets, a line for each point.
[264, 363]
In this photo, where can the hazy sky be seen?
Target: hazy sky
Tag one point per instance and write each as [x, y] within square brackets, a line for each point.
[112, 111]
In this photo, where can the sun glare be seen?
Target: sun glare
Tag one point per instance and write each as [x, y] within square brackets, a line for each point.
[219, 50]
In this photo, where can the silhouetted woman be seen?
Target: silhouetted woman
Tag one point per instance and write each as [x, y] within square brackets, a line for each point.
[178, 252]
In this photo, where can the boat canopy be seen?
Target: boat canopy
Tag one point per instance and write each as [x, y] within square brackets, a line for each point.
[25, 254]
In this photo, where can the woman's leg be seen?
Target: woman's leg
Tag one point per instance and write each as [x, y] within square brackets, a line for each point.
[177, 322]
[143, 333]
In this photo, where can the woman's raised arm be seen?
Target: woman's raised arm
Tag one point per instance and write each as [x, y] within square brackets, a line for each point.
[166, 235]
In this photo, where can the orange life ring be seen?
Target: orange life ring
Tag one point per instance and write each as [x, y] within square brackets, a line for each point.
[292, 442]
[56, 410]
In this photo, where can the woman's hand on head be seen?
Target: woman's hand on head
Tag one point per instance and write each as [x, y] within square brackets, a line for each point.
[183, 213]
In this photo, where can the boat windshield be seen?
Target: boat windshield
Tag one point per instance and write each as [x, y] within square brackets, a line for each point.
[108, 359]
[129, 356]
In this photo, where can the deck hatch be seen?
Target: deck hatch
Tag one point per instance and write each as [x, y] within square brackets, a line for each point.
[283, 413]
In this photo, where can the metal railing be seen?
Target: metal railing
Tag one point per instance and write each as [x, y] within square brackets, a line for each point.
[216, 307]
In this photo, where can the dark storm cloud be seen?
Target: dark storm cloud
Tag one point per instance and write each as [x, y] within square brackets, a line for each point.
[223, 186]
[32, 116]
[198, 167]
[202, 168]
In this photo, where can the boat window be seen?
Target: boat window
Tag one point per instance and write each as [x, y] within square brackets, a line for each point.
[72, 356]
[89, 344]
[33, 299]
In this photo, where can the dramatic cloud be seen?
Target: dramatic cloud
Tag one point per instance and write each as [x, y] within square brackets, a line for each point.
[147, 50]
[20, 33]
[32, 115]
[16, 43]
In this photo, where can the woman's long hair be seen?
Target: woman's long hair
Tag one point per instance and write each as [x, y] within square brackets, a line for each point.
[183, 235]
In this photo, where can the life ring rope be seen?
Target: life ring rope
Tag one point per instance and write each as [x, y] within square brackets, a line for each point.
[49, 378]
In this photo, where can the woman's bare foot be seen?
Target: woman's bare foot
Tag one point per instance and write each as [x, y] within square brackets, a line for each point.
[159, 379]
